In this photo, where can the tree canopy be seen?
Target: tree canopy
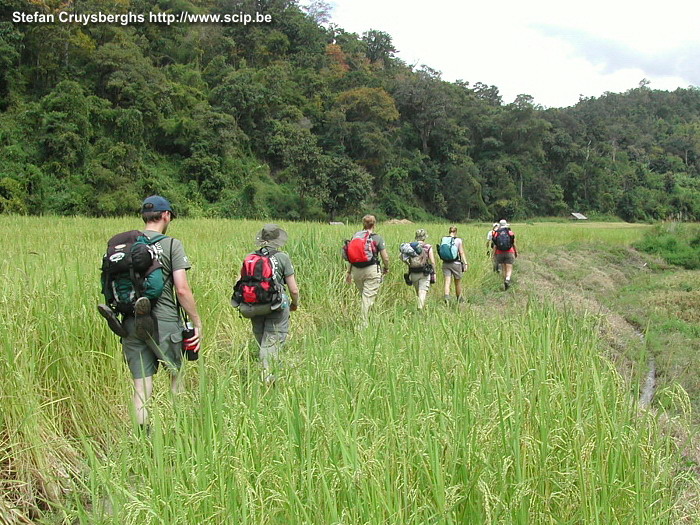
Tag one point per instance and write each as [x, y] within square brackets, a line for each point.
[300, 119]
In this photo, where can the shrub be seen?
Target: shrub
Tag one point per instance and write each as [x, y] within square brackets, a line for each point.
[677, 243]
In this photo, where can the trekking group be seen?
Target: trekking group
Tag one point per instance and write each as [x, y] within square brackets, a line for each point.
[150, 304]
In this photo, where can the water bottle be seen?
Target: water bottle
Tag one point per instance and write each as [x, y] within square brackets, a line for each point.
[188, 349]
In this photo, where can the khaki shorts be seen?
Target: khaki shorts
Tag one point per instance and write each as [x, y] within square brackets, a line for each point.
[505, 258]
[142, 360]
[420, 281]
[452, 269]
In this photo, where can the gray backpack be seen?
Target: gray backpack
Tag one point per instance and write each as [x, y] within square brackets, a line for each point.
[415, 256]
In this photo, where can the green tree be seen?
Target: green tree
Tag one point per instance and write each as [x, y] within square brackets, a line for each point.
[380, 48]
[422, 102]
[462, 191]
[349, 186]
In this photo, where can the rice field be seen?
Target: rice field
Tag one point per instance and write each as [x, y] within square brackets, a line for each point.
[452, 415]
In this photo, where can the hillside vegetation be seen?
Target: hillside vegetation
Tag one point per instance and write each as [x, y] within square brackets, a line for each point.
[506, 410]
[299, 119]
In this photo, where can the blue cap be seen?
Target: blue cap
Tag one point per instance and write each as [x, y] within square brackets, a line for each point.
[157, 203]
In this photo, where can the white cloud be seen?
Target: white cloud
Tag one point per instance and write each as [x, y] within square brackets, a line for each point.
[552, 50]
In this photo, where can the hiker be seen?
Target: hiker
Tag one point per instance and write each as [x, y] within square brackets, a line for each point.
[489, 251]
[454, 262]
[419, 257]
[362, 253]
[151, 334]
[503, 240]
[260, 295]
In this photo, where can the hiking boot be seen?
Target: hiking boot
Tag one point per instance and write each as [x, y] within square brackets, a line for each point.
[506, 284]
[447, 299]
[144, 327]
[112, 320]
[461, 299]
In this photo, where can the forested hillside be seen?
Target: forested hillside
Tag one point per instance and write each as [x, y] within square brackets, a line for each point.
[299, 119]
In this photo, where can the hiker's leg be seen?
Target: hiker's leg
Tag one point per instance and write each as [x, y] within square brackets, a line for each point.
[143, 364]
[367, 281]
[358, 278]
[458, 288]
[422, 294]
[508, 270]
[370, 290]
[143, 388]
[276, 328]
[422, 287]
[258, 326]
[448, 282]
[421, 283]
[175, 382]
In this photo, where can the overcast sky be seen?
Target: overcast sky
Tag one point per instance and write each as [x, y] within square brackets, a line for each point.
[554, 50]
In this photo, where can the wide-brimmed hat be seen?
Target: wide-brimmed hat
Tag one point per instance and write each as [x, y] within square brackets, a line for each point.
[271, 235]
[421, 234]
[504, 223]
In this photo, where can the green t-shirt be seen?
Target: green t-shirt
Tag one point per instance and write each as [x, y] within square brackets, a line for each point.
[283, 268]
[379, 240]
[172, 256]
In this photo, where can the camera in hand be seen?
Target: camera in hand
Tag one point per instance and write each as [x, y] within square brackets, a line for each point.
[188, 349]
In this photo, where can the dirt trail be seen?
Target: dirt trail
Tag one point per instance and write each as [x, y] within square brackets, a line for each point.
[575, 281]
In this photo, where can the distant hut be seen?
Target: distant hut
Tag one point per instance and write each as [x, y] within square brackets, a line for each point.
[578, 217]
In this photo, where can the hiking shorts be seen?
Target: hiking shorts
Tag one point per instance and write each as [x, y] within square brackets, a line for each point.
[420, 281]
[452, 269]
[142, 358]
[505, 258]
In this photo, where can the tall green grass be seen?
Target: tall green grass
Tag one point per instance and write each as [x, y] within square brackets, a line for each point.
[451, 415]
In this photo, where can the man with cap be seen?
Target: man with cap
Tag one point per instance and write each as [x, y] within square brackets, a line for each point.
[271, 324]
[503, 241]
[155, 334]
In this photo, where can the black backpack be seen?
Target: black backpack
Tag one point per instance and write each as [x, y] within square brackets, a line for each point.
[502, 239]
[131, 269]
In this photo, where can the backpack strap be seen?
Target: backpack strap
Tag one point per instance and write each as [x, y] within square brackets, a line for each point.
[155, 239]
[375, 250]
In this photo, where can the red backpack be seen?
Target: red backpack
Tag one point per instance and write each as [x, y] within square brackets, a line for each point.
[257, 284]
[361, 251]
